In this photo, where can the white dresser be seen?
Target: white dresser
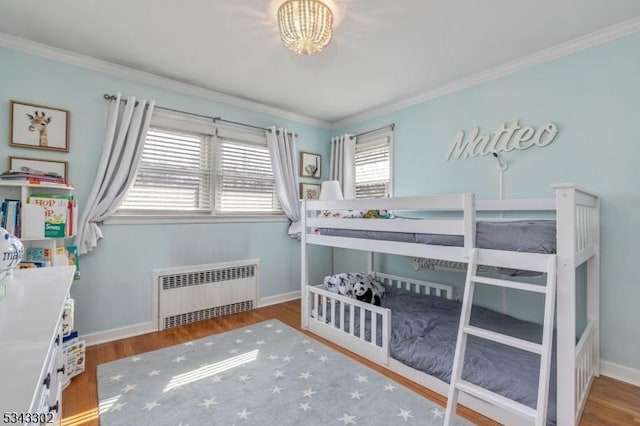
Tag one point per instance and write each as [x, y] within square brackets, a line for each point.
[31, 364]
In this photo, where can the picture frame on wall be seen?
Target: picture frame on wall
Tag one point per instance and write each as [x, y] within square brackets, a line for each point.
[38, 126]
[310, 191]
[310, 165]
[39, 166]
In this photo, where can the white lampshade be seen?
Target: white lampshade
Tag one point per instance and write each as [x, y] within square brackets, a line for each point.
[330, 190]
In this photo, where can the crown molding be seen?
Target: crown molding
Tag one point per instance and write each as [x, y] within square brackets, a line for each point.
[584, 42]
[71, 58]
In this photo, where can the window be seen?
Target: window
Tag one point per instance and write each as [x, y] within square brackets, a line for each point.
[244, 176]
[191, 170]
[174, 174]
[373, 166]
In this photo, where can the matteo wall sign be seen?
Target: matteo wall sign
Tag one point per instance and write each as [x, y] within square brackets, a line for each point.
[506, 138]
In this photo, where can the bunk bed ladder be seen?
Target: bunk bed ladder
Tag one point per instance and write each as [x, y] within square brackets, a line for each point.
[525, 261]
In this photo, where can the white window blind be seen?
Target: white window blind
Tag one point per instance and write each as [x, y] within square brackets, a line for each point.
[245, 182]
[206, 172]
[174, 174]
[373, 167]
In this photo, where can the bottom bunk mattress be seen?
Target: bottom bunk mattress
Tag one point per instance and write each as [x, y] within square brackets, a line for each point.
[424, 333]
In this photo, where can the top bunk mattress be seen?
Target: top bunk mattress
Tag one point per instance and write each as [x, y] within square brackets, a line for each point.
[528, 236]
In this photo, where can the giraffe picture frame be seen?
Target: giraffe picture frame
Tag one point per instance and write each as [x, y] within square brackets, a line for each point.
[38, 126]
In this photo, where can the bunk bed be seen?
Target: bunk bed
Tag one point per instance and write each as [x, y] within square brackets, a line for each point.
[366, 329]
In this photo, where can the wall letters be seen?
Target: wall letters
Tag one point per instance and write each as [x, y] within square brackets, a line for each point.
[506, 138]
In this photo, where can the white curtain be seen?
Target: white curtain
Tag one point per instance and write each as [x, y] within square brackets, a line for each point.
[127, 126]
[284, 160]
[343, 164]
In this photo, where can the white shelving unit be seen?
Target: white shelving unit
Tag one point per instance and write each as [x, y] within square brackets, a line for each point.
[31, 362]
[32, 234]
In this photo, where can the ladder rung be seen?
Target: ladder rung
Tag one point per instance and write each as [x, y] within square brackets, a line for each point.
[495, 399]
[510, 284]
[525, 345]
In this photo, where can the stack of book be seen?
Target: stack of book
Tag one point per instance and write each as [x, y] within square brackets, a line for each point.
[43, 216]
[28, 175]
[73, 348]
[37, 257]
[10, 216]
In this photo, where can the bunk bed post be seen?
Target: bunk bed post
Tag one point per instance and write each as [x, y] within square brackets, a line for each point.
[370, 264]
[469, 215]
[593, 289]
[566, 304]
[304, 266]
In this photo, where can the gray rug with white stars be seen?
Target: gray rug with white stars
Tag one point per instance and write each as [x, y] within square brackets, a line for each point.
[264, 374]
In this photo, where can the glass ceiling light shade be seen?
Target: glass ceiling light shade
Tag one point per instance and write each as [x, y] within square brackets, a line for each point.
[305, 26]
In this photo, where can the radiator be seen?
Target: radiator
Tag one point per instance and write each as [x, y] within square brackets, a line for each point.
[194, 293]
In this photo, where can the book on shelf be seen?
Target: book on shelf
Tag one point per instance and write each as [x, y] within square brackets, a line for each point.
[32, 264]
[38, 254]
[59, 214]
[10, 211]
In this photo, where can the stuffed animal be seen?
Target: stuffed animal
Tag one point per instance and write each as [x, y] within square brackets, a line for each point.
[378, 214]
[364, 293]
[339, 283]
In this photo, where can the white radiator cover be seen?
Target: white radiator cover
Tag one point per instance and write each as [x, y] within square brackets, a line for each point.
[193, 293]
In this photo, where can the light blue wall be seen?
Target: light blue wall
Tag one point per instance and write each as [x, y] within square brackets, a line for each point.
[115, 288]
[594, 97]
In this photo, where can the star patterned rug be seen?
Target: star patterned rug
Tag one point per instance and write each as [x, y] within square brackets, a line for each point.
[264, 374]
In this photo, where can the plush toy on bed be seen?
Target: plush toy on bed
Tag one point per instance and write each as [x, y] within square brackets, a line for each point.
[366, 288]
[358, 285]
[364, 292]
[378, 214]
[340, 284]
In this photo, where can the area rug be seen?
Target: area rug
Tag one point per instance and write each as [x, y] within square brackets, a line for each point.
[264, 374]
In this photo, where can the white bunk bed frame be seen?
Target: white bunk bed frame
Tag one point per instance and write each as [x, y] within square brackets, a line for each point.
[578, 236]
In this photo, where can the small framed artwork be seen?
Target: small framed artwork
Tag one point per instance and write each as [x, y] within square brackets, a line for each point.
[310, 165]
[310, 191]
[35, 165]
[37, 126]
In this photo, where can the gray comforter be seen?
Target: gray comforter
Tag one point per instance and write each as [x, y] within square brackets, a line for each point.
[424, 331]
[530, 236]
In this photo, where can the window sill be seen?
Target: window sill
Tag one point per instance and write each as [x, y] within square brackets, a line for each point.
[195, 219]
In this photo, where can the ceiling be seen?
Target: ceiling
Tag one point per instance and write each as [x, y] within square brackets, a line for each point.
[382, 51]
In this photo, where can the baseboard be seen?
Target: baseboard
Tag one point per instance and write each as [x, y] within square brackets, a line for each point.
[620, 372]
[99, 337]
[280, 298]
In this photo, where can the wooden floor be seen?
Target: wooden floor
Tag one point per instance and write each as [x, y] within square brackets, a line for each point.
[610, 403]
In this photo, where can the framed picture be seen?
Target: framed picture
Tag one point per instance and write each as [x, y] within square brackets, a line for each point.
[310, 165]
[37, 126]
[35, 165]
[310, 191]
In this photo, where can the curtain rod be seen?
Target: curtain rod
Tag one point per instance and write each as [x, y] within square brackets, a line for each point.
[392, 125]
[214, 119]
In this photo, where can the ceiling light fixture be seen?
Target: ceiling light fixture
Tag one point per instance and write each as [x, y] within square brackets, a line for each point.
[305, 25]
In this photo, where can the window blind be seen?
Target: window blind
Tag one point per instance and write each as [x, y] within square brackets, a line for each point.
[174, 174]
[373, 165]
[245, 182]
